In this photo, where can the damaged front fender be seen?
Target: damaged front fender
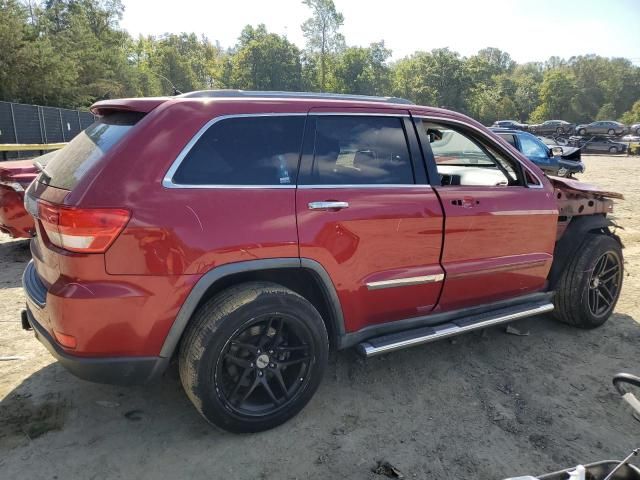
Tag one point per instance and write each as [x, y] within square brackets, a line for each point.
[575, 198]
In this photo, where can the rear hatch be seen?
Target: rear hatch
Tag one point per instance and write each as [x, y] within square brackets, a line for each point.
[67, 234]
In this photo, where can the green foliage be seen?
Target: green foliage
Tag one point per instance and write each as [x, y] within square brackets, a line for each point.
[71, 53]
[324, 41]
[556, 95]
[633, 115]
[363, 71]
[606, 112]
[265, 61]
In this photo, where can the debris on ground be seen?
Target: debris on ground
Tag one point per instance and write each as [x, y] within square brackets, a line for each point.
[107, 404]
[514, 331]
[134, 415]
[388, 470]
[8, 359]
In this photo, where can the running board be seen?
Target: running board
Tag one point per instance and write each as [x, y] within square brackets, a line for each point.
[419, 336]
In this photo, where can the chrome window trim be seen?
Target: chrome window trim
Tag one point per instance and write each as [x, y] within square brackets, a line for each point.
[167, 181]
[365, 185]
[358, 114]
[467, 125]
[405, 282]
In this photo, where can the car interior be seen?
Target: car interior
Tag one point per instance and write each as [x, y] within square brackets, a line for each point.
[463, 160]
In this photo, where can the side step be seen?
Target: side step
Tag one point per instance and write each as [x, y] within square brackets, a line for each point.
[418, 336]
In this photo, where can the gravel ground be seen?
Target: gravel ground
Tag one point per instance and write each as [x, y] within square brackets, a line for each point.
[485, 405]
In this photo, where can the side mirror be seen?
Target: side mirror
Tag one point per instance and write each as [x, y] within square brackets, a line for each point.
[556, 151]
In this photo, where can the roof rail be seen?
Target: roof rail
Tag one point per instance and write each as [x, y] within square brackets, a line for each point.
[305, 95]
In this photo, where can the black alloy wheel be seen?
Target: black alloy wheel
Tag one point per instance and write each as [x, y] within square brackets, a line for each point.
[252, 356]
[264, 366]
[589, 286]
[604, 284]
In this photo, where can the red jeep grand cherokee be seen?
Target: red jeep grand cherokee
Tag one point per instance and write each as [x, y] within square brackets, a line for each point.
[245, 234]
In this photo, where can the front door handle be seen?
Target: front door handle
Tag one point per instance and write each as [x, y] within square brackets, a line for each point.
[328, 205]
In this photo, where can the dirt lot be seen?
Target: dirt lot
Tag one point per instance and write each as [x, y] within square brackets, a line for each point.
[485, 405]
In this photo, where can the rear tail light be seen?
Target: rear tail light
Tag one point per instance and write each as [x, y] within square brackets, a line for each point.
[85, 230]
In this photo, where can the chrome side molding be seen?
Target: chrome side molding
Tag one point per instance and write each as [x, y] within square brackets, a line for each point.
[405, 282]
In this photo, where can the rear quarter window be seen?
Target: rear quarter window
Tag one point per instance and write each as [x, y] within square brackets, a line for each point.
[244, 151]
[87, 149]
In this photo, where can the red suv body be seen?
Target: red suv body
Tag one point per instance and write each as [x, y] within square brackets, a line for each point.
[395, 223]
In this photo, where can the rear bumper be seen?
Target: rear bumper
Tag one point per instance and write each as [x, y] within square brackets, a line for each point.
[112, 370]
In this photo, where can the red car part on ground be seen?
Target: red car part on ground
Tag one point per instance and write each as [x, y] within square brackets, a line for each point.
[15, 177]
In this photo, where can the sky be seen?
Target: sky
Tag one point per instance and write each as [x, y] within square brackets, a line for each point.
[529, 30]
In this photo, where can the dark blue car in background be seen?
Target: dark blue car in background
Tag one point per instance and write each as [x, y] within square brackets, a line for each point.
[565, 163]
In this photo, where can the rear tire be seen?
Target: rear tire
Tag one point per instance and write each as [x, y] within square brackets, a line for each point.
[582, 132]
[613, 150]
[590, 285]
[559, 130]
[611, 131]
[253, 356]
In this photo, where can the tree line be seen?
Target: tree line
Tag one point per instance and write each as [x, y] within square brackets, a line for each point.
[71, 53]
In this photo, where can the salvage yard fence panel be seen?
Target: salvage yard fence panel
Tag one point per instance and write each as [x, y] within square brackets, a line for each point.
[35, 124]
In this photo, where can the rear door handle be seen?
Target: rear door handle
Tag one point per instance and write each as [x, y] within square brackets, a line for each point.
[466, 202]
[328, 205]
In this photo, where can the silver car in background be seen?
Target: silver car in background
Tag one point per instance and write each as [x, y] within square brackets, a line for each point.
[552, 127]
[608, 127]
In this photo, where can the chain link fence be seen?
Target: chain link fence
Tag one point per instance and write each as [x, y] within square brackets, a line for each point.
[20, 123]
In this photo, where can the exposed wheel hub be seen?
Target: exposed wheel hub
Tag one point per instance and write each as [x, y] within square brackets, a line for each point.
[262, 361]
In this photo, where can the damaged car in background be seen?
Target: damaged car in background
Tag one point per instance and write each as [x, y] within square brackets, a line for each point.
[563, 161]
[15, 178]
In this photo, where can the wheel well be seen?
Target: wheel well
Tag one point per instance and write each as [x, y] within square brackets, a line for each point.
[571, 240]
[304, 282]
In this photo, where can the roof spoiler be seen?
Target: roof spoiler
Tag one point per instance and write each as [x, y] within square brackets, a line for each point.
[141, 105]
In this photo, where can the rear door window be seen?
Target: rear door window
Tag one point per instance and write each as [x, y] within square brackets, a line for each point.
[87, 149]
[509, 138]
[360, 150]
[245, 151]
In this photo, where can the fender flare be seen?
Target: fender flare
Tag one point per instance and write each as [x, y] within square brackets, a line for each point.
[217, 273]
[571, 241]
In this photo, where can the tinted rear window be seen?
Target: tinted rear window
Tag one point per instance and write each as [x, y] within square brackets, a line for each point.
[262, 150]
[360, 150]
[71, 163]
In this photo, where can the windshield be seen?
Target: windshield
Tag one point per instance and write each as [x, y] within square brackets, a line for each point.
[83, 152]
